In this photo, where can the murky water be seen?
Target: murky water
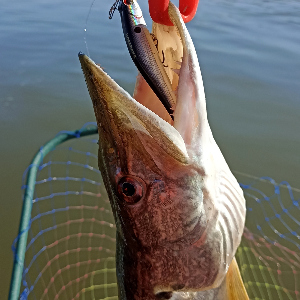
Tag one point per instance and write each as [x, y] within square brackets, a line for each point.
[249, 52]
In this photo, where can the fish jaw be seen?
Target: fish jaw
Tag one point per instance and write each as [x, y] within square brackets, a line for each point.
[190, 117]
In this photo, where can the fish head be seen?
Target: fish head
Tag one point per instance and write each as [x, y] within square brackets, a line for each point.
[145, 162]
[179, 211]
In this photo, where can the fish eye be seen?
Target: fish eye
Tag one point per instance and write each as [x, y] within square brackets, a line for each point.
[130, 189]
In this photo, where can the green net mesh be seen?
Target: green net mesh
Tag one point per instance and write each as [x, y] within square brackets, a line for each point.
[71, 235]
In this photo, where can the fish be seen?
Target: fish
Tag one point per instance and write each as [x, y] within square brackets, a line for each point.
[179, 210]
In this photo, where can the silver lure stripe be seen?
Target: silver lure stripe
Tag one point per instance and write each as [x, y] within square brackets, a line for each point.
[144, 53]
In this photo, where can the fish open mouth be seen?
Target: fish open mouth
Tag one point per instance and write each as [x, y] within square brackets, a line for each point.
[179, 58]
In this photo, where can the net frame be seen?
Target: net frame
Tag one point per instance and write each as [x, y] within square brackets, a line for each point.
[25, 220]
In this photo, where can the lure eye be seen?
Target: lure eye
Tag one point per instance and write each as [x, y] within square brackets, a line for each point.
[137, 29]
[130, 189]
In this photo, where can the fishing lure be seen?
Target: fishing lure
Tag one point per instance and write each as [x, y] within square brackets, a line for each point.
[141, 46]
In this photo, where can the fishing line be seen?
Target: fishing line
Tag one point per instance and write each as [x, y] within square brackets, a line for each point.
[85, 28]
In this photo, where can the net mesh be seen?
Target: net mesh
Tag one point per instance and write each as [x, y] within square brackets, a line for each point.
[71, 237]
[269, 255]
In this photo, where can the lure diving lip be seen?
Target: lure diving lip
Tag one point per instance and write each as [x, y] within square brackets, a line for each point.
[144, 53]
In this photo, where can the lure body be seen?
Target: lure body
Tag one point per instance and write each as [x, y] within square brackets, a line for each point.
[144, 53]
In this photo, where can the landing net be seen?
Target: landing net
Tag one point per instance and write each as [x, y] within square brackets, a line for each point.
[66, 243]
